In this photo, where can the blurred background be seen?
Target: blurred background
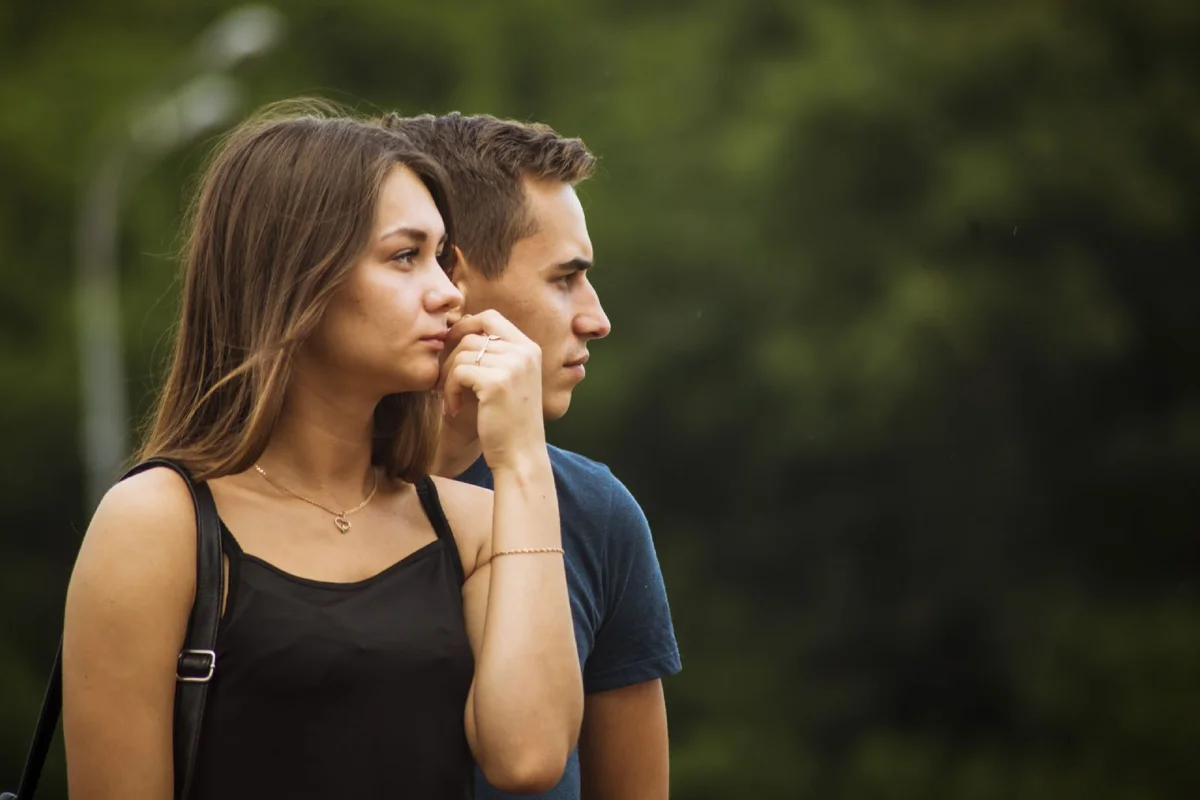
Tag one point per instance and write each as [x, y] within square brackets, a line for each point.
[904, 367]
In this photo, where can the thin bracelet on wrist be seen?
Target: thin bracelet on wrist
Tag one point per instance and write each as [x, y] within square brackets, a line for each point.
[527, 551]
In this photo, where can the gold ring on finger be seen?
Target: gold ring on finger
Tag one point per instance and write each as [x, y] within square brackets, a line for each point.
[483, 349]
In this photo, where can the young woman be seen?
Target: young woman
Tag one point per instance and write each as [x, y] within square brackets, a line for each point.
[374, 641]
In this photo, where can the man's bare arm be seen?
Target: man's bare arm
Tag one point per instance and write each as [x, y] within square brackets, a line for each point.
[623, 747]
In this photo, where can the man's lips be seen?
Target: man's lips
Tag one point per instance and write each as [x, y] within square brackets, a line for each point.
[579, 362]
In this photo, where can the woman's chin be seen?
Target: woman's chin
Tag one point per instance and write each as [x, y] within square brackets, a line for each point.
[418, 380]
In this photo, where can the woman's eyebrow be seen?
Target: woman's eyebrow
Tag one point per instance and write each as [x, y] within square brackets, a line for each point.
[416, 234]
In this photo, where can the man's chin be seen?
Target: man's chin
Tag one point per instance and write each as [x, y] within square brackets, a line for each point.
[555, 406]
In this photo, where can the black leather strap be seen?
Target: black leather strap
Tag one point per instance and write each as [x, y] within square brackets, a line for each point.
[197, 661]
[191, 689]
[43, 734]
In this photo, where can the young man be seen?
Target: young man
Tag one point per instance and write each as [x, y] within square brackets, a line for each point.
[525, 252]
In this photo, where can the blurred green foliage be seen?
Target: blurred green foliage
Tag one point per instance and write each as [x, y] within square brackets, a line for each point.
[903, 366]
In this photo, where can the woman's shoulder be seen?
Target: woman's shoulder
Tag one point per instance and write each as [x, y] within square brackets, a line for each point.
[146, 502]
[144, 525]
[135, 575]
[468, 509]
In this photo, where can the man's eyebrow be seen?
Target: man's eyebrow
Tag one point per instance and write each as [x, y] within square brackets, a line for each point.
[574, 265]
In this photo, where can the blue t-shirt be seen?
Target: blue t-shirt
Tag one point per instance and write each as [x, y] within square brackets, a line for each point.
[622, 621]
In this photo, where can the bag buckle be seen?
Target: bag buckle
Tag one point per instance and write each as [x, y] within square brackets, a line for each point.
[198, 666]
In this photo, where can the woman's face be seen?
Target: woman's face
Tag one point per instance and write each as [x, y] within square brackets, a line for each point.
[381, 333]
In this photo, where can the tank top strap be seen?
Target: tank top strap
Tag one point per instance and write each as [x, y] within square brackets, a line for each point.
[427, 492]
[229, 544]
[233, 553]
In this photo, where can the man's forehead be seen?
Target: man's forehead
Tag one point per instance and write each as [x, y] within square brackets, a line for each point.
[540, 191]
[557, 222]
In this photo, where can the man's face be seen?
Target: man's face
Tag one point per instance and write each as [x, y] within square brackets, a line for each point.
[545, 291]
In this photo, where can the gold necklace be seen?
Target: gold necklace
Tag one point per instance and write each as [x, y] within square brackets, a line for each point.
[339, 518]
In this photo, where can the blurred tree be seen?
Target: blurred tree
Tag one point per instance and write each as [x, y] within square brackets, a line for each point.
[902, 363]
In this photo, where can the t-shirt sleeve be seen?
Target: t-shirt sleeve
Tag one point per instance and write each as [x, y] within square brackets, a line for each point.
[636, 639]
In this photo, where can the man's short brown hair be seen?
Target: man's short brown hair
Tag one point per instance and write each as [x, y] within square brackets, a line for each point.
[486, 160]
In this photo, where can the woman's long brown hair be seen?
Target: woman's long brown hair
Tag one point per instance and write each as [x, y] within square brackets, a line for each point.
[284, 210]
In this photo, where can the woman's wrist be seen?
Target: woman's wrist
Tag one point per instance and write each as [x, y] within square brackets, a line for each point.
[528, 466]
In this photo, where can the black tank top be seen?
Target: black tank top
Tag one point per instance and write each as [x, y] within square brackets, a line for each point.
[341, 690]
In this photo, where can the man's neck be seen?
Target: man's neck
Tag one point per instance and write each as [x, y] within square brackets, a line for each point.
[458, 446]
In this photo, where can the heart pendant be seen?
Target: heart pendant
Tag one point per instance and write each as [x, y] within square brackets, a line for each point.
[342, 523]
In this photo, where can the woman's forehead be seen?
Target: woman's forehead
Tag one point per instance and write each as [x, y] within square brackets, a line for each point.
[405, 205]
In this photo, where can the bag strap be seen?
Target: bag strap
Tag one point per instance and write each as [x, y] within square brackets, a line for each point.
[197, 660]
[43, 734]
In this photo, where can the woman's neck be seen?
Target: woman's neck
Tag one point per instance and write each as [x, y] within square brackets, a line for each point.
[322, 445]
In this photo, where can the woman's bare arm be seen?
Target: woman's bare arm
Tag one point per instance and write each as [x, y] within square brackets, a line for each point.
[526, 701]
[127, 608]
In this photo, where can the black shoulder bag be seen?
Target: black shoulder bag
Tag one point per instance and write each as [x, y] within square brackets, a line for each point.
[197, 660]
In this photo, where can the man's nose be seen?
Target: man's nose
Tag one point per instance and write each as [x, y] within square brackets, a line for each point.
[591, 322]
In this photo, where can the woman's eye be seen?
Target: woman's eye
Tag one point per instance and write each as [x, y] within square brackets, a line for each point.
[405, 257]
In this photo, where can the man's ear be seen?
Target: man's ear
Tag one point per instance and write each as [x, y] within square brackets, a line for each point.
[460, 276]
[462, 272]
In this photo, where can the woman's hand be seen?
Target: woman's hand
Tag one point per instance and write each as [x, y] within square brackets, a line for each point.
[493, 363]
[523, 712]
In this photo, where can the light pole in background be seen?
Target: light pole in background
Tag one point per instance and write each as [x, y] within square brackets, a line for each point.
[156, 126]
